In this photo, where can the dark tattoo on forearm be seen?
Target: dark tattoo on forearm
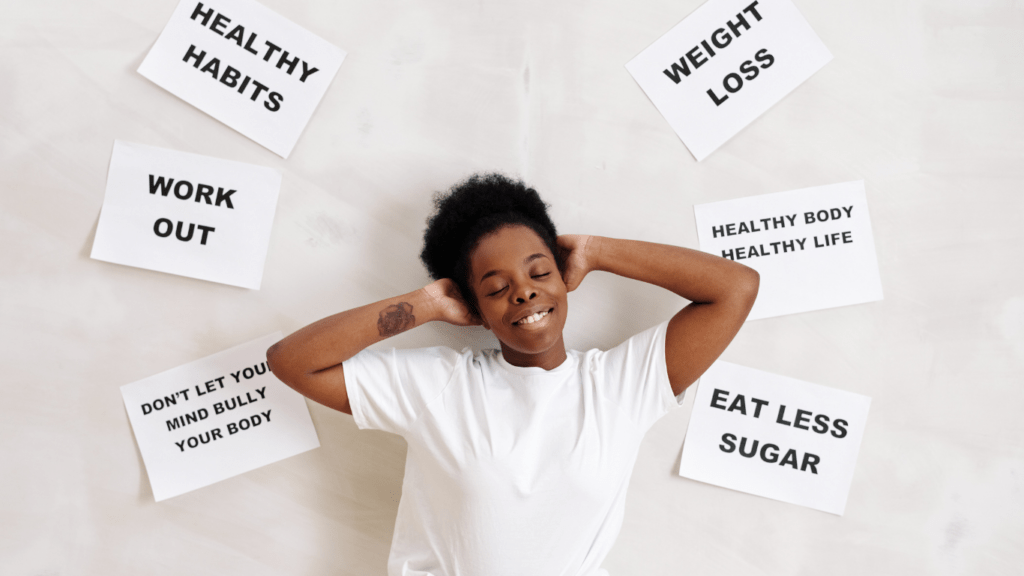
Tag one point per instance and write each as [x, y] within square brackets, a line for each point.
[395, 319]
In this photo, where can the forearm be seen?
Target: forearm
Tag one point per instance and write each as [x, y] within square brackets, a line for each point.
[309, 360]
[694, 275]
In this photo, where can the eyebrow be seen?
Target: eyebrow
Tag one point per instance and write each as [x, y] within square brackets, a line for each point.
[526, 261]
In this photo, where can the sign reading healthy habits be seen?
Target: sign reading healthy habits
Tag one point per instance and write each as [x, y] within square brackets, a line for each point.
[725, 65]
[246, 66]
[813, 247]
[216, 418]
[774, 436]
[187, 214]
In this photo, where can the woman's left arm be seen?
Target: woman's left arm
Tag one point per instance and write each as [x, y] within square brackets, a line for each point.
[721, 293]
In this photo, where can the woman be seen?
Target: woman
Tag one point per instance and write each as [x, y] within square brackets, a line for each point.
[518, 459]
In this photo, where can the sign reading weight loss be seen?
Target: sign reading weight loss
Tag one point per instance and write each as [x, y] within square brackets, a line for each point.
[246, 66]
[774, 436]
[216, 418]
[187, 214]
[813, 247]
[726, 64]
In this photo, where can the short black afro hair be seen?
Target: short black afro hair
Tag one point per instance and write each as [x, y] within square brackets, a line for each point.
[472, 209]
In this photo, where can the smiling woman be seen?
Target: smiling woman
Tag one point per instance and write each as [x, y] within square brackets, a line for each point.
[518, 459]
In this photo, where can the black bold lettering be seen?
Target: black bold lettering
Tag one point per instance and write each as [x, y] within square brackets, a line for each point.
[714, 97]
[191, 53]
[728, 443]
[212, 67]
[789, 459]
[307, 72]
[820, 424]
[284, 61]
[840, 428]
[156, 227]
[772, 456]
[273, 102]
[164, 186]
[696, 57]
[681, 68]
[237, 34]
[810, 460]
[205, 230]
[738, 404]
[728, 254]
[753, 448]
[219, 22]
[177, 190]
[723, 42]
[738, 81]
[735, 28]
[749, 70]
[230, 77]
[782, 413]
[203, 192]
[760, 403]
[199, 12]
[271, 48]
[177, 231]
[718, 396]
[801, 417]
[224, 197]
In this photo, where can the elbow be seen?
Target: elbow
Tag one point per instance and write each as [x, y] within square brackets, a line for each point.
[274, 359]
[747, 285]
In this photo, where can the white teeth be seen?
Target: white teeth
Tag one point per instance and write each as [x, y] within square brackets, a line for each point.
[533, 318]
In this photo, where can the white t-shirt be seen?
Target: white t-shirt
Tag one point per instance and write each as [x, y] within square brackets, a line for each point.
[511, 471]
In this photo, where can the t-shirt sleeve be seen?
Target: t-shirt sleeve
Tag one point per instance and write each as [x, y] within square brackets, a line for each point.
[389, 389]
[635, 376]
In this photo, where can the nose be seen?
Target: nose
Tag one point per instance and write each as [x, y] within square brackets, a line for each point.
[524, 292]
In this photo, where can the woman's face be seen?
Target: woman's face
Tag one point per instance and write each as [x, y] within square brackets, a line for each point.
[520, 295]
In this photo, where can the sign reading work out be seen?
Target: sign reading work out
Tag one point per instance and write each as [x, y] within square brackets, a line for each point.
[216, 418]
[726, 64]
[774, 436]
[813, 247]
[187, 214]
[246, 66]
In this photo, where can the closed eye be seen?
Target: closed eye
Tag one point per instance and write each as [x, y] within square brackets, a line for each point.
[499, 291]
[541, 275]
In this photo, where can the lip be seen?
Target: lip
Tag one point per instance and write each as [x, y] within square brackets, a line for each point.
[530, 312]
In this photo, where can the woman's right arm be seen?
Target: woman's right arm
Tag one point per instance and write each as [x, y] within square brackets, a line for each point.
[310, 359]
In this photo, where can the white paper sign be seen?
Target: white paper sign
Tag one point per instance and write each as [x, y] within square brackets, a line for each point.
[187, 214]
[813, 247]
[774, 436]
[725, 65]
[216, 418]
[246, 66]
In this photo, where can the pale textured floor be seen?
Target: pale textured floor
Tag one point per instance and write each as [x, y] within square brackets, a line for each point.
[924, 101]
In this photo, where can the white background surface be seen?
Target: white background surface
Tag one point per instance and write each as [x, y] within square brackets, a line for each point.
[924, 101]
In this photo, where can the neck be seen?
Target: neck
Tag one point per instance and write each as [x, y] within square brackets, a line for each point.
[549, 359]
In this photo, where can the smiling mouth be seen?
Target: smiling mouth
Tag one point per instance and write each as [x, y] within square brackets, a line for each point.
[537, 317]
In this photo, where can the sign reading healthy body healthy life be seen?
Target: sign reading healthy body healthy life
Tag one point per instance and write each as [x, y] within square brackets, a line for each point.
[246, 66]
[216, 418]
[813, 247]
[774, 436]
[726, 64]
[187, 214]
